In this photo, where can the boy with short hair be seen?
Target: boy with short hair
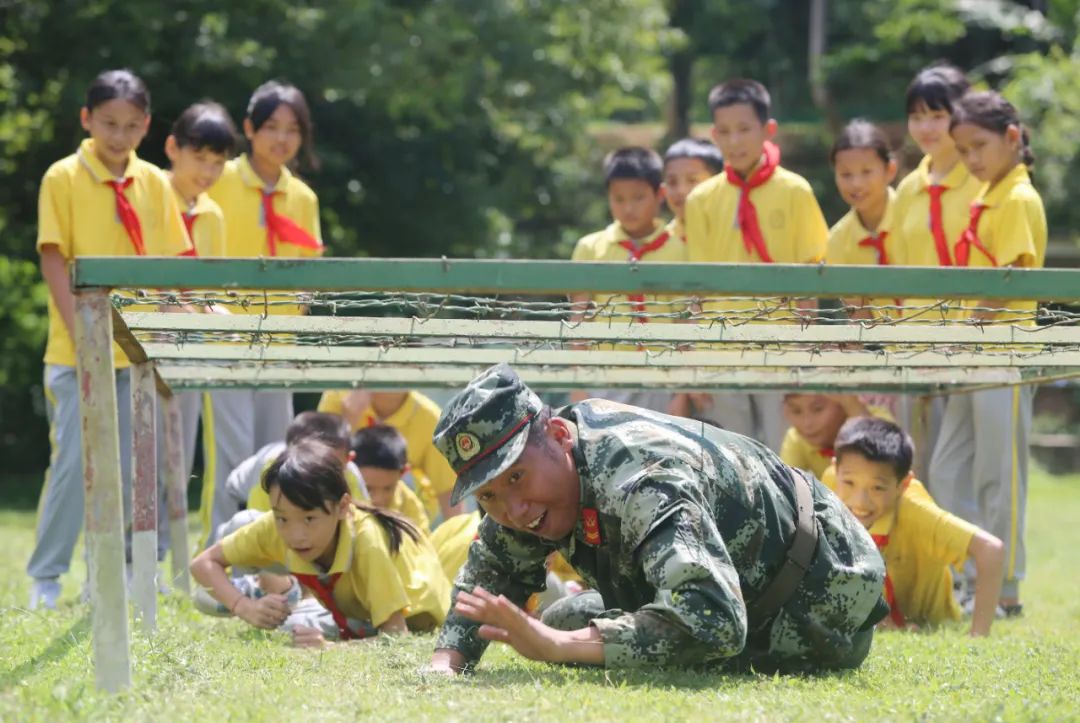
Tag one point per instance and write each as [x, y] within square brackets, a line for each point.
[754, 212]
[381, 455]
[918, 540]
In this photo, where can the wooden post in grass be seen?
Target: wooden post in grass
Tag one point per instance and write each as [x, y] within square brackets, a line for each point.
[176, 483]
[104, 501]
[144, 499]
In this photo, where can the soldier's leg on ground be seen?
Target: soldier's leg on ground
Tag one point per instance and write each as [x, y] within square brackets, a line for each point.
[574, 612]
[228, 439]
[1002, 419]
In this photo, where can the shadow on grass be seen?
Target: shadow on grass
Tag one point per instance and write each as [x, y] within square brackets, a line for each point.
[57, 649]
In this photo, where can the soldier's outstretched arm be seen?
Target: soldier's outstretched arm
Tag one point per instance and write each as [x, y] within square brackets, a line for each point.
[503, 562]
[698, 614]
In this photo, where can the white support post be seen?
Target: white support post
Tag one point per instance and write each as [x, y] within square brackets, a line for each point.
[176, 481]
[104, 491]
[145, 501]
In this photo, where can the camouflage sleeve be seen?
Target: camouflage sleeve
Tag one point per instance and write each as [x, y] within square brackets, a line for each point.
[502, 562]
[698, 613]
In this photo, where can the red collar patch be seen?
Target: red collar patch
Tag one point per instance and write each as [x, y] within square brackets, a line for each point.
[590, 521]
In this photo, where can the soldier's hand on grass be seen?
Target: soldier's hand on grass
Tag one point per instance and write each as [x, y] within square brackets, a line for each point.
[305, 637]
[266, 612]
[504, 622]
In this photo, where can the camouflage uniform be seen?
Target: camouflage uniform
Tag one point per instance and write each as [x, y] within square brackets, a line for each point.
[692, 521]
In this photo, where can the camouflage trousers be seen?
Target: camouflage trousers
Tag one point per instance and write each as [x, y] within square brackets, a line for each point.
[576, 612]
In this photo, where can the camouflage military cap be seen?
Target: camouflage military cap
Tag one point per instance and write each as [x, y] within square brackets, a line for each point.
[483, 429]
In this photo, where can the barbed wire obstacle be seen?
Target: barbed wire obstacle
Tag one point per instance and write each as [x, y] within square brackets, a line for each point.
[317, 324]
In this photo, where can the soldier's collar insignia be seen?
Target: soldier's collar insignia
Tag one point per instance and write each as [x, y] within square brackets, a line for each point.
[468, 445]
[590, 522]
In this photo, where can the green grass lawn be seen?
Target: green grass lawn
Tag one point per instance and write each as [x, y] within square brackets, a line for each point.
[210, 669]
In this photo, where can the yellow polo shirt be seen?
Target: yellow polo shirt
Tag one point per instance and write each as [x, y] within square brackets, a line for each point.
[208, 227]
[452, 539]
[415, 419]
[924, 541]
[408, 505]
[791, 223]
[77, 213]
[845, 235]
[796, 451]
[1012, 227]
[374, 584]
[605, 246]
[239, 194]
[914, 243]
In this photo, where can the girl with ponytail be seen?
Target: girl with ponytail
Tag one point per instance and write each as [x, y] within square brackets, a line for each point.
[370, 569]
[980, 463]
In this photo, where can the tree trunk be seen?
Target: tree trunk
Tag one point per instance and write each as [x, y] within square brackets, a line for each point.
[819, 89]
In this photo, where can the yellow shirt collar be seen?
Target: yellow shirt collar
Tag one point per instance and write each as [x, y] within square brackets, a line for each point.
[342, 556]
[884, 524]
[954, 179]
[886, 218]
[90, 161]
[991, 197]
[400, 418]
[616, 233]
[202, 203]
[251, 178]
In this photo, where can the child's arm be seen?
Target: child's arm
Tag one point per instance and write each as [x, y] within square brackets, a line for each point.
[208, 568]
[307, 637]
[54, 270]
[989, 555]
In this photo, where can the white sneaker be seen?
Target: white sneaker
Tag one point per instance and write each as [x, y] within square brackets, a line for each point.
[44, 594]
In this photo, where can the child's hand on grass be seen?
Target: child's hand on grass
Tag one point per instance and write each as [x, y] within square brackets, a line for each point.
[305, 637]
[267, 612]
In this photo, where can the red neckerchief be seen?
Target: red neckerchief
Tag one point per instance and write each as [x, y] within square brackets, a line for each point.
[636, 252]
[325, 593]
[877, 242]
[127, 215]
[895, 615]
[970, 238]
[937, 224]
[753, 239]
[189, 224]
[284, 229]
[827, 452]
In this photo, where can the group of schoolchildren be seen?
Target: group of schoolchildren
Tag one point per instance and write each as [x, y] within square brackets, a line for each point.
[320, 524]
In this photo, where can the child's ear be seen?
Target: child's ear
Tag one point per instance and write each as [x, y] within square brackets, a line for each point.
[172, 150]
[890, 171]
[771, 127]
[906, 481]
[345, 504]
[352, 456]
[84, 118]
[1012, 134]
[249, 129]
[661, 192]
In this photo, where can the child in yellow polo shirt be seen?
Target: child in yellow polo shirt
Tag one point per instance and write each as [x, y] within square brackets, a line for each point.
[918, 539]
[815, 419]
[979, 466]
[415, 416]
[381, 455]
[864, 167]
[687, 163]
[369, 569]
[269, 212]
[756, 211]
[102, 200]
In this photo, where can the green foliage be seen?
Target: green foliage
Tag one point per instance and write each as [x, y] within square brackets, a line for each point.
[200, 668]
[23, 327]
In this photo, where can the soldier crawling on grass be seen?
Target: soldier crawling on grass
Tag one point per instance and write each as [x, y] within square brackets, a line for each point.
[700, 545]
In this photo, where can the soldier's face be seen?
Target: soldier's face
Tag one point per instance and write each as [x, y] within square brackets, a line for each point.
[869, 489]
[539, 494]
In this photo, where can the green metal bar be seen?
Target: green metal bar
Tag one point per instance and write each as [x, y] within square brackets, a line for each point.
[599, 331]
[343, 355]
[560, 277]
[593, 378]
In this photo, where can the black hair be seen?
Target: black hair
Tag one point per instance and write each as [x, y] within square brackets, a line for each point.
[697, 149]
[741, 90]
[878, 440]
[268, 97]
[309, 475]
[330, 429]
[990, 111]
[634, 162]
[205, 125]
[938, 87]
[861, 133]
[118, 85]
[380, 446]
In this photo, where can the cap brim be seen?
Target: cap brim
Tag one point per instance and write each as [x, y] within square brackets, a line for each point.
[488, 469]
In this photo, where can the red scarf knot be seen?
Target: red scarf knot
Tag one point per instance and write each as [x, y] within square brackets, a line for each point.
[325, 593]
[753, 239]
[877, 242]
[127, 215]
[282, 228]
[636, 253]
[970, 238]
